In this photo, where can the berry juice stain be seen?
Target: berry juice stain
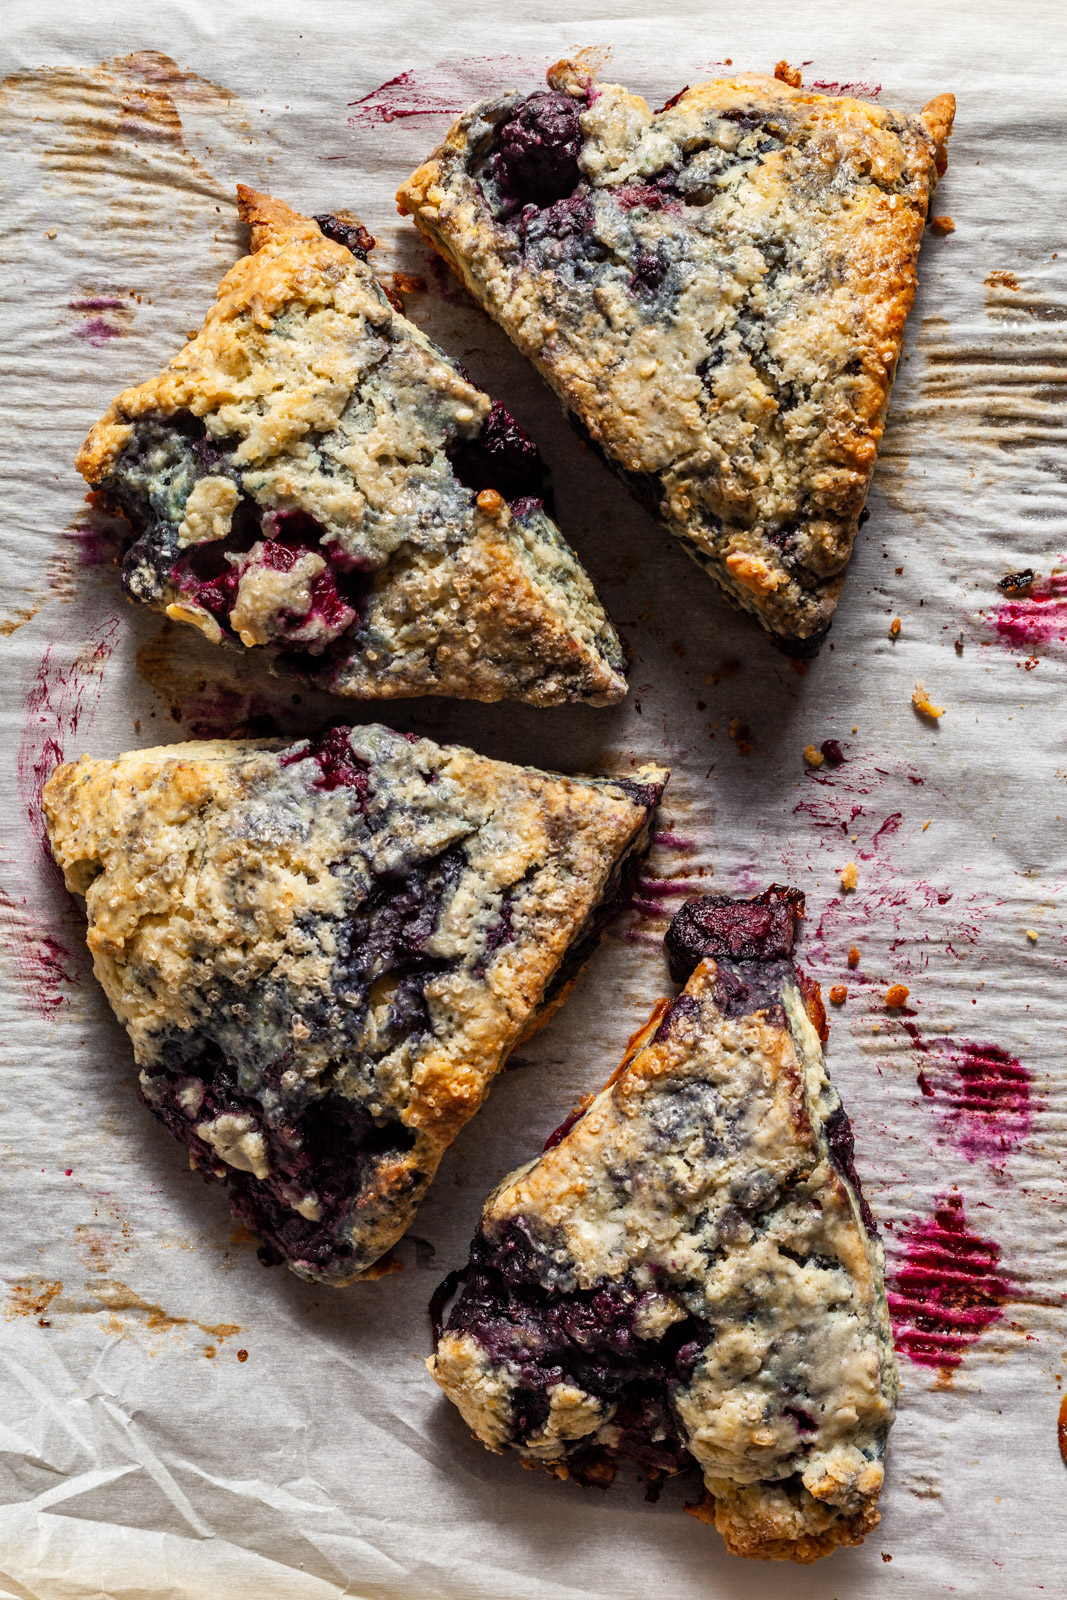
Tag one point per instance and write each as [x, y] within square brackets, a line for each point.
[980, 1091]
[1037, 617]
[946, 1289]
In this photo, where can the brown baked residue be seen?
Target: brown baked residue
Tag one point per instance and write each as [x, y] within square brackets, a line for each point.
[1061, 1429]
[32, 1299]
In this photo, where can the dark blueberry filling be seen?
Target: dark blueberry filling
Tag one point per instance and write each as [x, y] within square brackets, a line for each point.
[686, 1005]
[804, 1420]
[389, 931]
[745, 986]
[644, 196]
[716, 926]
[212, 581]
[569, 222]
[164, 459]
[558, 1135]
[502, 457]
[328, 1150]
[339, 766]
[650, 269]
[839, 1136]
[587, 1337]
[536, 149]
[353, 235]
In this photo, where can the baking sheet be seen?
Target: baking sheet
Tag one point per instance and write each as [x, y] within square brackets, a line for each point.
[174, 1420]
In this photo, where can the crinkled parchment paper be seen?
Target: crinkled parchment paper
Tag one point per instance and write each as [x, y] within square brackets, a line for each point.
[174, 1420]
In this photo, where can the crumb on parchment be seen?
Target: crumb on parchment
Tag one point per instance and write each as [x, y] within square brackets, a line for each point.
[896, 994]
[1031, 934]
[894, 628]
[849, 875]
[787, 74]
[813, 755]
[853, 956]
[943, 223]
[838, 994]
[923, 704]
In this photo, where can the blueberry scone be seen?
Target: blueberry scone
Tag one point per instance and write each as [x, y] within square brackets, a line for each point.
[688, 1275]
[323, 953]
[311, 476]
[716, 291]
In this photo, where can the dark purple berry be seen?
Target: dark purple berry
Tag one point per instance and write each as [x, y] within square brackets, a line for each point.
[352, 234]
[537, 149]
[761, 929]
[503, 457]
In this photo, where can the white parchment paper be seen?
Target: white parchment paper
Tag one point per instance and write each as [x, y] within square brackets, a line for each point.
[174, 1420]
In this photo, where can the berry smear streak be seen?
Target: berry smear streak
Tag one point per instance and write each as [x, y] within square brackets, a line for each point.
[982, 1094]
[946, 1288]
[40, 926]
[443, 90]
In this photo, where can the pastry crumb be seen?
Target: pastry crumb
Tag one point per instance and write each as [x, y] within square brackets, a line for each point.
[813, 755]
[849, 875]
[853, 957]
[50, 233]
[1031, 934]
[787, 74]
[838, 994]
[894, 628]
[491, 502]
[923, 704]
[943, 224]
[896, 994]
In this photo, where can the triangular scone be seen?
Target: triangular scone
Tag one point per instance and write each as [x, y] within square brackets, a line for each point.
[312, 475]
[688, 1273]
[323, 953]
[716, 290]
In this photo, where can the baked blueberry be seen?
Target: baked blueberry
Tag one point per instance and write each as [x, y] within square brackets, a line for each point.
[687, 1277]
[323, 953]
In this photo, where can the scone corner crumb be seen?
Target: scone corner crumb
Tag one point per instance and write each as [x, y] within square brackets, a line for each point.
[923, 704]
[787, 74]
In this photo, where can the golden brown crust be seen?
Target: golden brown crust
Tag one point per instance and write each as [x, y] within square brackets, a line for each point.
[744, 377]
[306, 392]
[696, 1197]
[223, 884]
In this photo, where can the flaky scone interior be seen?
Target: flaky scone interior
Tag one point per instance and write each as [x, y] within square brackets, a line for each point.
[324, 952]
[688, 1275]
[312, 478]
[716, 291]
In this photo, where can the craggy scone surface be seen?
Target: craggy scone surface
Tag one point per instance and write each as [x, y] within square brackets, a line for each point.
[312, 476]
[717, 290]
[324, 952]
[689, 1273]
